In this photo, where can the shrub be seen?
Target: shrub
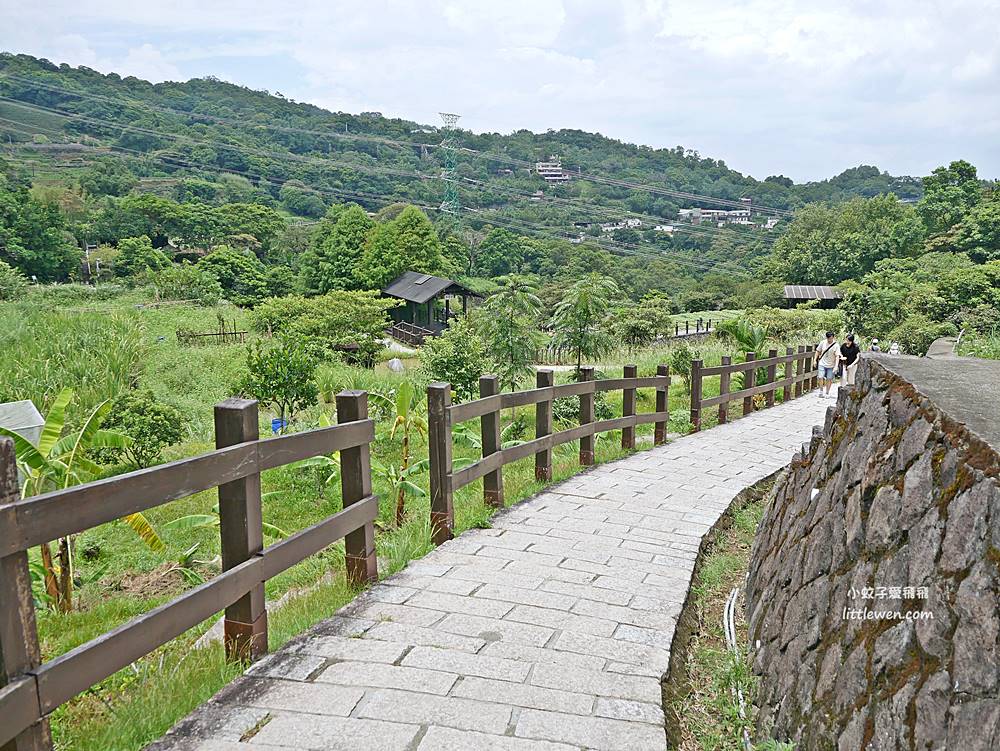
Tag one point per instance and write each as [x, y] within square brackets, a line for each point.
[137, 255]
[916, 333]
[185, 282]
[151, 425]
[567, 409]
[242, 276]
[680, 364]
[13, 283]
[983, 319]
[280, 376]
[457, 357]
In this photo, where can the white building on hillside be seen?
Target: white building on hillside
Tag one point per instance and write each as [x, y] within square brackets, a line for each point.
[551, 171]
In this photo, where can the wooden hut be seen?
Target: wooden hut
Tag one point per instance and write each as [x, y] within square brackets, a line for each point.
[431, 302]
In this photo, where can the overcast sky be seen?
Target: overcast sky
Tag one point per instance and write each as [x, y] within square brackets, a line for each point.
[804, 89]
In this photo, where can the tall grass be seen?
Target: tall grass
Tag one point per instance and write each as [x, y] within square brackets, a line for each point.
[45, 351]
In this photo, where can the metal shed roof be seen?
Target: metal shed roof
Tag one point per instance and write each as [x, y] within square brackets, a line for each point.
[419, 288]
[811, 292]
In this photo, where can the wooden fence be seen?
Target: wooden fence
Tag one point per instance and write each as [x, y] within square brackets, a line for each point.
[409, 333]
[443, 415]
[30, 689]
[798, 376]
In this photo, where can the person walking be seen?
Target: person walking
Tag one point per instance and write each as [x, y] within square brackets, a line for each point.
[875, 346]
[827, 357]
[849, 353]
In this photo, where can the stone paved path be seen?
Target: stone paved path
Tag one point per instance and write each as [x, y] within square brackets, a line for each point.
[549, 632]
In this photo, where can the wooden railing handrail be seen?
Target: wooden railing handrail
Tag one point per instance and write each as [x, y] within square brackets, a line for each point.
[30, 689]
[798, 376]
[42, 518]
[443, 415]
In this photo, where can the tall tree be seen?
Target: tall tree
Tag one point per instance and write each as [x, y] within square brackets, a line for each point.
[407, 243]
[581, 319]
[331, 263]
[508, 324]
[949, 192]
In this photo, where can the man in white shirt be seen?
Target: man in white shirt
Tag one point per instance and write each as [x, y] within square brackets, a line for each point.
[827, 357]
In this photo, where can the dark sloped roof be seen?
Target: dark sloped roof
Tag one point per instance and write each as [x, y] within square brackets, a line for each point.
[811, 292]
[419, 288]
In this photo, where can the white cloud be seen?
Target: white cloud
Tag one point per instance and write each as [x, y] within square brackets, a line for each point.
[801, 87]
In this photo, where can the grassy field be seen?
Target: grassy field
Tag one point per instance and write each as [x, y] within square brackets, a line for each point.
[100, 342]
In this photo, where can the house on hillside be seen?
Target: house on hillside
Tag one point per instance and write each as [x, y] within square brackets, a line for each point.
[428, 304]
[551, 171]
[800, 293]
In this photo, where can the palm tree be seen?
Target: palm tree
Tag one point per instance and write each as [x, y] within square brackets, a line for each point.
[581, 319]
[57, 462]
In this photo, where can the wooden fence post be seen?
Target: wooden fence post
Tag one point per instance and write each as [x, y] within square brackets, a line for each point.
[356, 485]
[799, 370]
[687, 327]
[696, 395]
[241, 532]
[662, 405]
[749, 381]
[439, 449]
[489, 425]
[814, 381]
[787, 372]
[772, 376]
[628, 407]
[543, 426]
[19, 651]
[724, 389]
[587, 416]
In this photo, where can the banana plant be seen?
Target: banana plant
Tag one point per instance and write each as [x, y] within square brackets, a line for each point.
[467, 435]
[204, 521]
[751, 338]
[408, 420]
[60, 461]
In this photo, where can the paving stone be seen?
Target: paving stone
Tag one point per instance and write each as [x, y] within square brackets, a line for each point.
[626, 709]
[463, 663]
[540, 655]
[520, 695]
[591, 732]
[388, 676]
[559, 619]
[612, 649]
[426, 709]
[386, 611]
[316, 698]
[597, 682]
[358, 650]
[428, 637]
[514, 595]
[588, 592]
[288, 665]
[306, 731]
[492, 630]
[489, 608]
[447, 739]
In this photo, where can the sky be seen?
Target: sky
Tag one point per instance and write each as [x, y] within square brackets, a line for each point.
[804, 88]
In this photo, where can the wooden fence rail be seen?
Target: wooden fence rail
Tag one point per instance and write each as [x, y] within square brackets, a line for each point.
[443, 415]
[30, 689]
[798, 376]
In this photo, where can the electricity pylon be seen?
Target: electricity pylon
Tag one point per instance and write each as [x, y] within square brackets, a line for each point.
[451, 202]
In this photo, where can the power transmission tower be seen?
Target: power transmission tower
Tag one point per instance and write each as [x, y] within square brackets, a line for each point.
[451, 202]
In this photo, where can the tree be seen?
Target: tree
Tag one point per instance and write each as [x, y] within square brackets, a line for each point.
[302, 200]
[32, 234]
[407, 243]
[109, 177]
[261, 222]
[60, 461]
[507, 322]
[408, 419]
[12, 282]
[457, 357]
[581, 320]
[243, 278]
[949, 192]
[149, 425]
[978, 233]
[137, 255]
[281, 377]
[500, 253]
[331, 262]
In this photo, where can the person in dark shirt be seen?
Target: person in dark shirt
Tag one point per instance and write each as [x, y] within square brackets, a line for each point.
[849, 352]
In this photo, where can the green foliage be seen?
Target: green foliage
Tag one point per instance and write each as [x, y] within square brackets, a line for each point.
[150, 426]
[582, 319]
[828, 244]
[639, 325]
[243, 278]
[108, 177]
[137, 255]
[916, 333]
[331, 262]
[408, 242]
[978, 233]
[457, 357]
[281, 376]
[507, 323]
[681, 358]
[302, 200]
[500, 253]
[12, 282]
[949, 192]
[335, 319]
[185, 282]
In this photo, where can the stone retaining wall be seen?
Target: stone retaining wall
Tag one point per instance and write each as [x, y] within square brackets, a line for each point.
[893, 506]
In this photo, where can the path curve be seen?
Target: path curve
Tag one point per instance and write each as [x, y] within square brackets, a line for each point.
[550, 631]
